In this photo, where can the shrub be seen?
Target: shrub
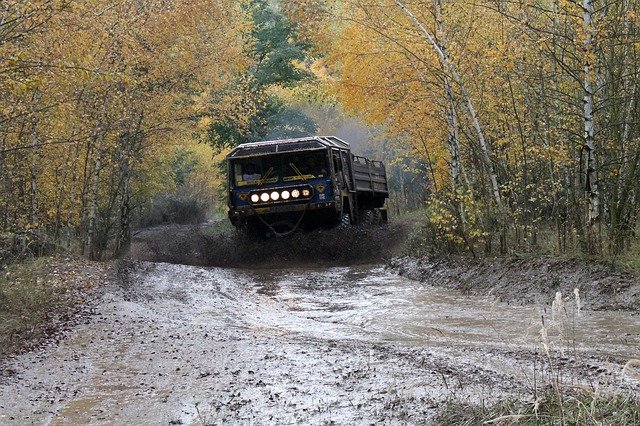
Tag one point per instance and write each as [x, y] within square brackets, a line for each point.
[175, 209]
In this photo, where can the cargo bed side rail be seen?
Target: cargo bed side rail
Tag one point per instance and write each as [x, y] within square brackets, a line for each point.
[370, 176]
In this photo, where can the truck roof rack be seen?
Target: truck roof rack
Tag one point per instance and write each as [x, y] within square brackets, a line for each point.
[287, 145]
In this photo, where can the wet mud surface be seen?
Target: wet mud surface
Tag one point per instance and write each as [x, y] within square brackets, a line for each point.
[180, 344]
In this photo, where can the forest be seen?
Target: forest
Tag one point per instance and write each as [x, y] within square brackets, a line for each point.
[508, 127]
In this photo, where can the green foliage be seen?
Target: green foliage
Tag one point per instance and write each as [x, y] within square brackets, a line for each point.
[283, 121]
[277, 49]
[182, 165]
[278, 61]
[224, 134]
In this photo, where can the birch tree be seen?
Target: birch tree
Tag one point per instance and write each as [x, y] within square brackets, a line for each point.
[452, 71]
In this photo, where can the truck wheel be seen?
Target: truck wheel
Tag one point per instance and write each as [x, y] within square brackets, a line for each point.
[345, 220]
[367, 217]
[384, 216]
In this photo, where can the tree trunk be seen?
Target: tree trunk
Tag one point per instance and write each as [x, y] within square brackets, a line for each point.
[452, 72]
[4, 177]
[33, 167]
[93, 209]
[591, 184]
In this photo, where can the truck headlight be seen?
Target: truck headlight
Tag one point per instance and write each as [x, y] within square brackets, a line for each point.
[275, 195]
[306, 193]
[285, 195]
[264, 197]
[255, 198]
[295, 193]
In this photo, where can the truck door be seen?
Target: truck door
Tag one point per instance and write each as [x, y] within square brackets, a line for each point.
[337, 167]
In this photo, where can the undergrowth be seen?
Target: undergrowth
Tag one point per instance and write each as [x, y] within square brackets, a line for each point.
[39, 297]
[630, 260]
[219, 224]
[178, 209]
[575, 408]
[25, 300]
[558, 395]
[540, 241]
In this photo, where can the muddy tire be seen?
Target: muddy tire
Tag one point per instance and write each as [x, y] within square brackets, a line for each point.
[366, 217]
[371, 217]
[345, 220]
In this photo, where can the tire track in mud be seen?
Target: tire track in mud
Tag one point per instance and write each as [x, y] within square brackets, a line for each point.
[186, 344]
[179, 344]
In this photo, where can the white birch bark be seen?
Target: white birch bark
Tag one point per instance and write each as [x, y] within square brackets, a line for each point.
[591, 186]
[452, 71]
[452, 116]
[453, 139]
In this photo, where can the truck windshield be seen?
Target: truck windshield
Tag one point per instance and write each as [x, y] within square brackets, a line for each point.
[286, 167]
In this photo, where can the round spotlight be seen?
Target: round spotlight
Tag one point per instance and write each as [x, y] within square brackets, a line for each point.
[306, 193]
[264, 197]
[275, 196]
[255, 198]
[285, 195]
[295, 193]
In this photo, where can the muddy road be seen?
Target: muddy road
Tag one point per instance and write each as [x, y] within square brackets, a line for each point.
[177, 344]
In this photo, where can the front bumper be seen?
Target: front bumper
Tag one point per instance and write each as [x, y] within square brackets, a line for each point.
[236, 213]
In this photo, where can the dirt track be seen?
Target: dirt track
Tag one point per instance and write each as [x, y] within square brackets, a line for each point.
[352, 344]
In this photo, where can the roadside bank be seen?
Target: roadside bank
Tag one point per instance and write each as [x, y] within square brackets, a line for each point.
[529, 281]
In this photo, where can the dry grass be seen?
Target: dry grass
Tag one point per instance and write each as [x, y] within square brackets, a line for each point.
[40, 297]
[575, 408]
[24, 302]
[630, 260]
[554, 400]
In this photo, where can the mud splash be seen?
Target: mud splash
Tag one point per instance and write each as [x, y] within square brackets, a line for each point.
[196, 245]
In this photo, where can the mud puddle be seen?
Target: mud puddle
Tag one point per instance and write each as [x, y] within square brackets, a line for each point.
[192, 345]
[384, 306]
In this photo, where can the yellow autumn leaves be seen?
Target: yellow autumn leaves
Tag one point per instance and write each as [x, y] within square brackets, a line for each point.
[504, 85]
[95, 94]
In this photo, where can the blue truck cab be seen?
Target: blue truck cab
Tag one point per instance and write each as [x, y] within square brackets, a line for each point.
[276, 187]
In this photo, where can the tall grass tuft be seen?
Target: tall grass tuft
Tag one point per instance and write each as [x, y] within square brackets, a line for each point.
[574, 408]
[557, 397]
